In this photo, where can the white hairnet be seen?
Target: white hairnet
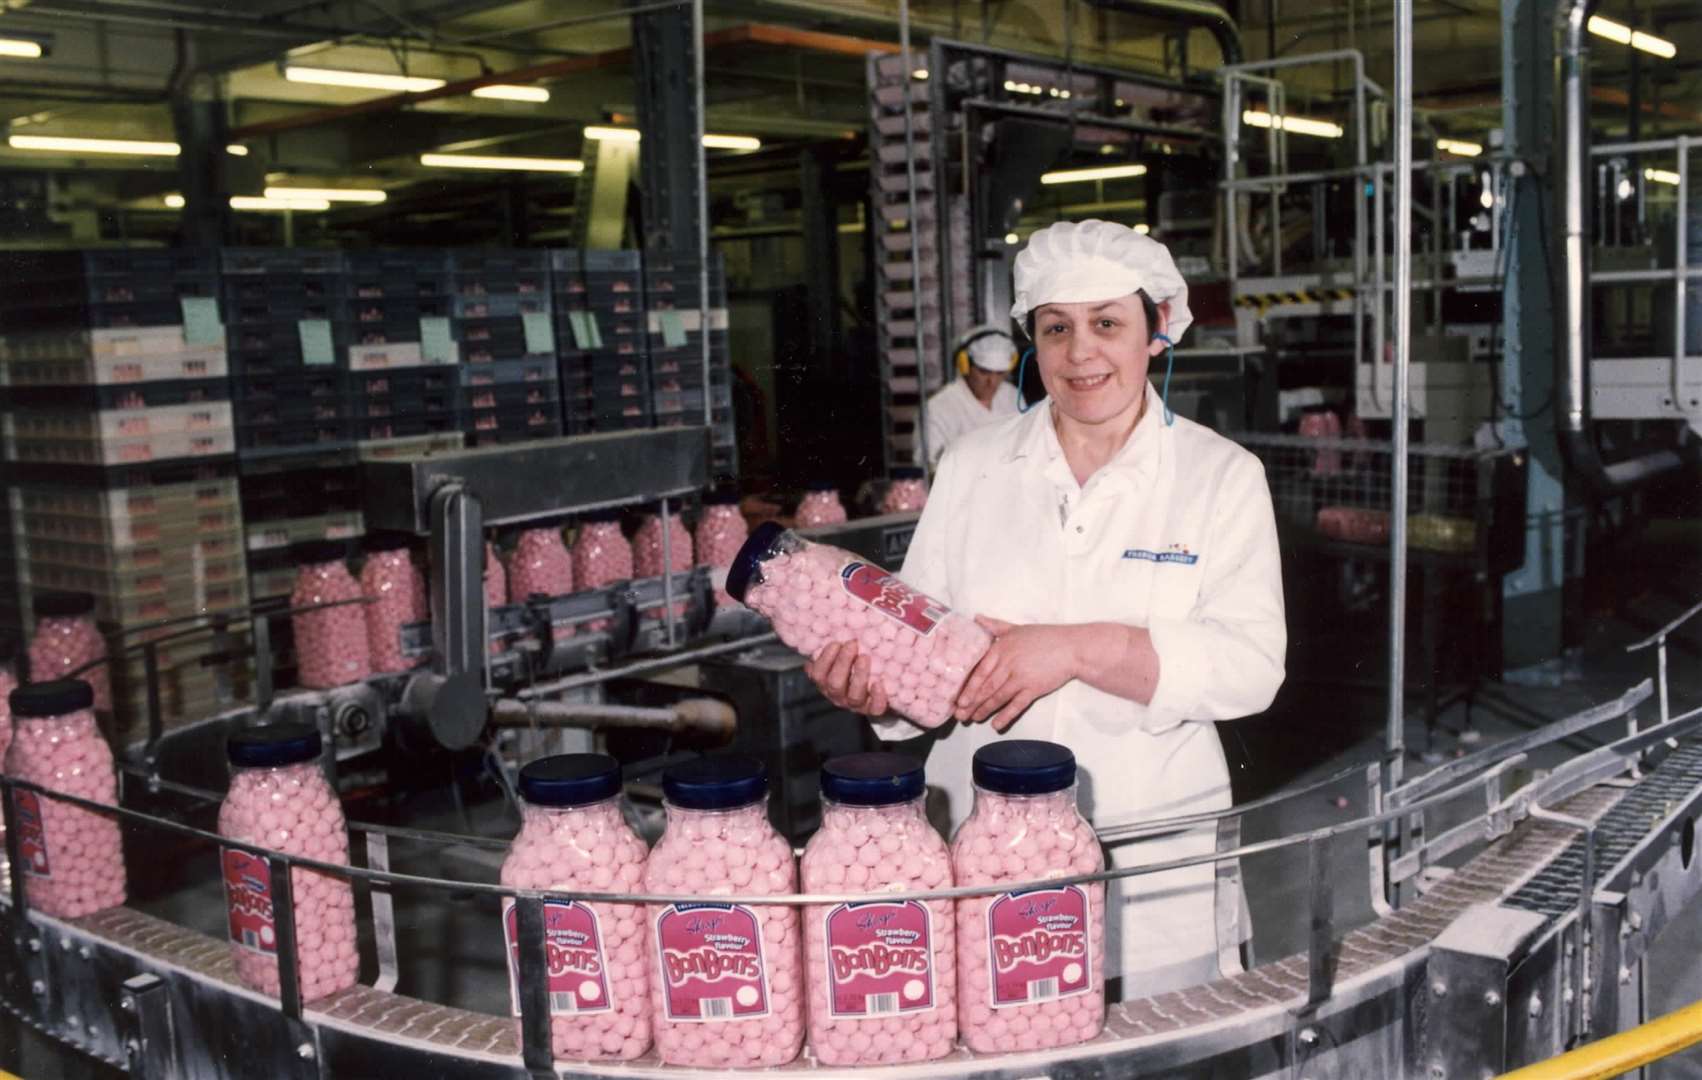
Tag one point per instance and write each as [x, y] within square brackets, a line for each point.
[990, 347]
[1086, 261]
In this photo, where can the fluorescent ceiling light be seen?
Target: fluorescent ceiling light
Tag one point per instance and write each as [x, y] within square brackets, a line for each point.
[919, 73]
[359, 195]
[612, 134]
[1661, 176]
[174, 201]
[1299, 125]
[732, 142]
[1143, 228]
[1012, 238]
[1023, 88]
[236, 149]
[72, 145]
[1459, 148]
[256, 202]
[512, 164]
[1624, 35]
[1103, 172]
[20, 48]
[504, 92]
[363, 80]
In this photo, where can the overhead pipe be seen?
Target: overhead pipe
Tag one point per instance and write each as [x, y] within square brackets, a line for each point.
[705, 716]
[1199, 13]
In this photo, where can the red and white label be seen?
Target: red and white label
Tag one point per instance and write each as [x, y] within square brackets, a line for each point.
[892, 597]
[1037, 945]
[575, 965]
[880, 959]
[32, 834]
[248, 899]
[711, 962]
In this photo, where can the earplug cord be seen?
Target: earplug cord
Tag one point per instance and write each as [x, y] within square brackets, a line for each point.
[1022, 402]
[1169, 365]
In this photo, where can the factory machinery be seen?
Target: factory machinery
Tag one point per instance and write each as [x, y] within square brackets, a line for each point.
[1511, 907]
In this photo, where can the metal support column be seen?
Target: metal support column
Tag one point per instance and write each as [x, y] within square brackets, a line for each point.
[670, 169]
[820, 221]
[198, 122]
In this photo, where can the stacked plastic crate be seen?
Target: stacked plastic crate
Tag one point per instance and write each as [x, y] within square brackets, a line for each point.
[598, 307]
[402, 356]
[677, 318]
[500, 321]
[120, 474]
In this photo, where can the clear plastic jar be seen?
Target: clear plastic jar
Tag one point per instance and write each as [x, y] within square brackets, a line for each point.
[573, 836]
[601, 556]
[280, 799]
[882, 975]
[907, 491]
[66, 639]
[728, 991]
[820, 506]
[647, 558]
[72, 858]
[1030, 964]
[919, 650]
[8, 683]
[496, 578]
[394, 589]
[330, 642]
[539, 565]
[721, 532]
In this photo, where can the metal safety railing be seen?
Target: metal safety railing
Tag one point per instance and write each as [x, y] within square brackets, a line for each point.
[1620, 1054]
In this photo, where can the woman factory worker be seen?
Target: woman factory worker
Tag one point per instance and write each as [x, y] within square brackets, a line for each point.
[1125, 561]
[981, 394]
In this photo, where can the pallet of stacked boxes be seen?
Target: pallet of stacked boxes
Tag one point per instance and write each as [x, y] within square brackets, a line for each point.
[500, 319]
[598, 303]
[677, 318]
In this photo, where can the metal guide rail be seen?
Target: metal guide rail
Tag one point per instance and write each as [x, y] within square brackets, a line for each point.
[163, 1000]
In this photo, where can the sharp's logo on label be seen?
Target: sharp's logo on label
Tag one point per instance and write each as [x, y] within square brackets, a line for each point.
[1175, 553]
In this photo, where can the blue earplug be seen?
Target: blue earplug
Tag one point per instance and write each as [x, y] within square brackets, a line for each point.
[1022, 403]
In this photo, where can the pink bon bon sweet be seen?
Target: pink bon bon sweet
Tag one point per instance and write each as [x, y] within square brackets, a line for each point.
[647, 552]
[280, 799]
[330, 642]
[574, 837]
[72, 860]
[601, 556]
[66, 641]
[820, 506]
[395, 593]
[907, 491]
[727, 987]
[721, 532]
[1030, 963]
[919, 650]
[881, 973]
[539, 565]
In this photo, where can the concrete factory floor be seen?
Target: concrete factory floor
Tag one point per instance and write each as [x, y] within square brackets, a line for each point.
[452, 951]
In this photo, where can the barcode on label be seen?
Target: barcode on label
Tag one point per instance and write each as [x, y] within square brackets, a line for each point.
[1042, 989]
[251, 939]
[563, 1001]
[715, 1008]
[880, 1004]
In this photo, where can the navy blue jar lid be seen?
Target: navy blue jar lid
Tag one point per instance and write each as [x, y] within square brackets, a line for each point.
[721, 497]
[872, 779]
[907, 472]
[570, 780]
[721, 782]
[387, 540]
[271, 746]
[822, 485]
[317, 552]
[1024, 767]
[607, 516]
[62, 605]
[53, 698]
[749, 559]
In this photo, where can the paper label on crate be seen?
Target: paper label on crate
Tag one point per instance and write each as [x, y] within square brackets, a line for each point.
[32, 834]
[711, 961]
[540, 336]
[673, 329]
[248, 900]
[880, 959]
[575, 964]
[392, 354]
[586, 333]
[316, 347]
[1038, 947]
[892, 597]
[437, 345]
[201, 325]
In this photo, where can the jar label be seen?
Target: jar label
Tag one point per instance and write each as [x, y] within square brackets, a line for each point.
[880, 958]
[892, 597]
[573, 949]
[712, 962]
[248, 899]
[1038, 945]
[32, 834]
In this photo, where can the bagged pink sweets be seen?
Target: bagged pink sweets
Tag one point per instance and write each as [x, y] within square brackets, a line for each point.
[280, 799]
[820, 506]
[395, 591]
[539, 565]
[919, 650]
[721, 532]
[881, 974]
[906, 491]
[1031, 964]
[66, 640]
[72, 860]
[727, 990]
[330, 642]
[574, 837]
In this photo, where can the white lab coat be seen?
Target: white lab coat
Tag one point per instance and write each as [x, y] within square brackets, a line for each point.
[1175, 534]
[953, 412]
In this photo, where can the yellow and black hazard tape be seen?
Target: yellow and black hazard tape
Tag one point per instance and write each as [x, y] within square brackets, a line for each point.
[1263, 301]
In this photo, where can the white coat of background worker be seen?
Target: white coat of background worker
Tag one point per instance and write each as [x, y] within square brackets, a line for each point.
[981, 394]
[1126, 562]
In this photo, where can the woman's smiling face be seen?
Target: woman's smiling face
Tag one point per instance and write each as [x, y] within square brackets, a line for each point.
[1093, 356]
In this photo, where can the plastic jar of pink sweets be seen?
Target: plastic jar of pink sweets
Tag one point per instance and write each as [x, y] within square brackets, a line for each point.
[496, 578]
[573, 836]
[395, 593]
[280, 799]
[66, 640]
[727, 991]
[601, 556]
[647, 552]
[721, 532]
[8, 683]
[1031, 963]
[72, 860]
[881, 974]
[920, 651]
[820, 506]
[539, 565]
[330, 642]
[906, 491]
